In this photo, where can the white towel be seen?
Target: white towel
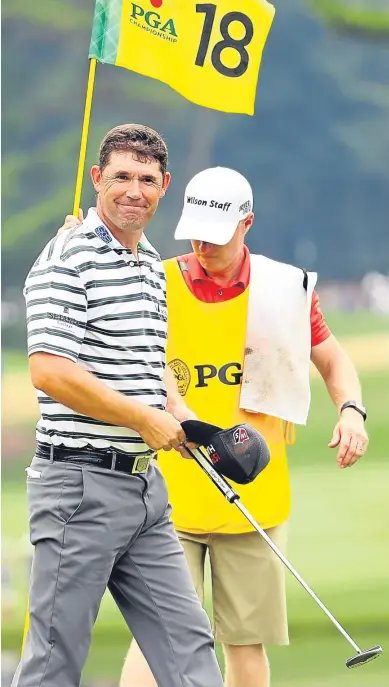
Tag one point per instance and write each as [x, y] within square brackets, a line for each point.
[278, 341]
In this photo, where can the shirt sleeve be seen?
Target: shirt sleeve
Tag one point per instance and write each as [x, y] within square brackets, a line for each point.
[319, 328]
[56, 304]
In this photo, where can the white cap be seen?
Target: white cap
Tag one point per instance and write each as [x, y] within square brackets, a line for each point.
[215, 201]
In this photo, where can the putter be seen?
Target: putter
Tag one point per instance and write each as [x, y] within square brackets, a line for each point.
[202, 460]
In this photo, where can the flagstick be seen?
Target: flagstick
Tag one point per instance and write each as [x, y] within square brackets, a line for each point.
[26, 626]
[76, 206]
[84, 135]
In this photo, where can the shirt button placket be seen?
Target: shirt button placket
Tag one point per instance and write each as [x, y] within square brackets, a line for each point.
[133, 263]
[137, 264]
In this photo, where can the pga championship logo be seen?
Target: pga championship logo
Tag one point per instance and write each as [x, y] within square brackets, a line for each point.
[229, 374]
[182, 375]
[159, 24]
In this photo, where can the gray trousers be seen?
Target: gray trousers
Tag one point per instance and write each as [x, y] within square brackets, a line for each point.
[93, 529]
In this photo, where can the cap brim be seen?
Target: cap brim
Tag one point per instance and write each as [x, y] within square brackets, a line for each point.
[218, 233]
[199, 432]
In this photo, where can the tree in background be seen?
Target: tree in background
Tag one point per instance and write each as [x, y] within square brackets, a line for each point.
[368, 18]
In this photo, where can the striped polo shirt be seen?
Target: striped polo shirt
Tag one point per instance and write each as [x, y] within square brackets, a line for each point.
[90, 301]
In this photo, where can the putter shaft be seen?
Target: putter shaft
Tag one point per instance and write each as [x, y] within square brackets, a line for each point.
[296, 575]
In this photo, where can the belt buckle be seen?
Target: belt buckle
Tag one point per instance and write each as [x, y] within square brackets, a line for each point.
[141, 464]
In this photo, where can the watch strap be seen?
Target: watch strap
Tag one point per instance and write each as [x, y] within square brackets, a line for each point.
[355, 406]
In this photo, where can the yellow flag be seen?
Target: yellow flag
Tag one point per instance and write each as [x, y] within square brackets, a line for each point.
[210, 52]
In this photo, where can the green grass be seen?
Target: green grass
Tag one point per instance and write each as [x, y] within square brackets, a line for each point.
[311, 445]
[356, 323]
[320, 662]
[13, 361]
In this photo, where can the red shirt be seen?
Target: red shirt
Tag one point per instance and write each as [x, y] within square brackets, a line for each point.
[202, 286]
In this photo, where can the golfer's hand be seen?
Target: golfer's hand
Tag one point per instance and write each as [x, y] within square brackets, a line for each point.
[71, 221]
[160, 430]
[178, 408]
[184, 453]
[181, 413]
[350, 436]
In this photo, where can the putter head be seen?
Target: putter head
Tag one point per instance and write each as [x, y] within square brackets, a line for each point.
[364, 657]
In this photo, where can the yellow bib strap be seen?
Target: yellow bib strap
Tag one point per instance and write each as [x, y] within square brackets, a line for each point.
[289, 433]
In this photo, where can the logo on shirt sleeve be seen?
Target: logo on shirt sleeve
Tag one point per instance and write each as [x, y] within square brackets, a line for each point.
[63, 321]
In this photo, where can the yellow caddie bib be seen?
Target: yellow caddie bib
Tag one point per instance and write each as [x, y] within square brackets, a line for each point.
[205, 351]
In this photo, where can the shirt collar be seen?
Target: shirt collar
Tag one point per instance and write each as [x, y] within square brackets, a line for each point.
[95, 224]
[197, 272]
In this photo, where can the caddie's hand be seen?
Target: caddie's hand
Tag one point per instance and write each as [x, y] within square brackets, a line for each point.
[351, 437]
[181, 412]
[71, 221]
[160, 430]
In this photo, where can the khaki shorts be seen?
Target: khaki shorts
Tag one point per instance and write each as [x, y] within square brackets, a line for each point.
[248, 584]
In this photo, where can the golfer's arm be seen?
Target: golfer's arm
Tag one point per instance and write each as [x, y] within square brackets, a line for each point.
[176, 405]
[69, 384]
[338, 372]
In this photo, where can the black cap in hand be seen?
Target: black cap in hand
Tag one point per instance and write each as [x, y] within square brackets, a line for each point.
[239, 453]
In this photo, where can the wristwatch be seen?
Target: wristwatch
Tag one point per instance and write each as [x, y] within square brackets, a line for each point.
[357, 406]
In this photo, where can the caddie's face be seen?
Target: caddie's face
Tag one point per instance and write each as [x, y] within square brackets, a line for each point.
[128, 191]
[218, 258]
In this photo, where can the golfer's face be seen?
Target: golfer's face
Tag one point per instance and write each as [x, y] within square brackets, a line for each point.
[128, 190]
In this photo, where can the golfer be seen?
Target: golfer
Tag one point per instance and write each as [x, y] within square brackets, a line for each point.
[98, 507]
[242, 332]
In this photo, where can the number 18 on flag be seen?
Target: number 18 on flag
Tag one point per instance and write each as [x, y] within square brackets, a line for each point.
[209, 52]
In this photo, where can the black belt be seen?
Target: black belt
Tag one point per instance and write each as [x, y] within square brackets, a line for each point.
[107, 459]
